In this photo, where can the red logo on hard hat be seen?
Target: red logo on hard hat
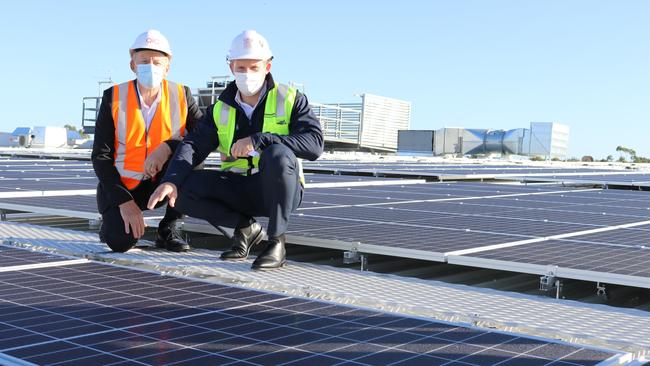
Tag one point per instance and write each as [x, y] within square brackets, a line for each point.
[248, 43]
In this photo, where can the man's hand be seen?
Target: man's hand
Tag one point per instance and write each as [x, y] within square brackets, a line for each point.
[242, 147]
[164, 190]
[133, 219]
[155, 161]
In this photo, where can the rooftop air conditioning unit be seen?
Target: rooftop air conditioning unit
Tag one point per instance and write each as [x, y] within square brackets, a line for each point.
[22, 136]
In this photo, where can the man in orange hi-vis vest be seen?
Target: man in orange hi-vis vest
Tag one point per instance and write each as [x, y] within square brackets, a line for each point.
[139, 125]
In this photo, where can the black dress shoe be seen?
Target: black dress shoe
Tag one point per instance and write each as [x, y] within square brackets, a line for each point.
[243, 240]
[170, 238]
[274, 256]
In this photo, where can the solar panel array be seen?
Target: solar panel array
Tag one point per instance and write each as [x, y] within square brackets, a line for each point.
[26, 175]
[16, 257]
[483, 225]
[632, 179]
[442, 171]
[92, 313]
[616, 256]
[49, 175]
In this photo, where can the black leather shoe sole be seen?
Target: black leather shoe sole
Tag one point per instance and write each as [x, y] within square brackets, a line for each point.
[266, 267]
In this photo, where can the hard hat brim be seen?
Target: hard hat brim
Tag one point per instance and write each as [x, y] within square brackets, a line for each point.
[134, 50]
[250, 56]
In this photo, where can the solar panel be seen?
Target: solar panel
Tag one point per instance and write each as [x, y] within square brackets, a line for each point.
[4, 162]
[328, 178]
[399, 240]
[629, 237]
[433, 191]
[322, 196]
[565, 215]
[47, 184]
[639, 179]
[38, 164]
[41, 177]
[16, 257]
[81, 206]
[602, 262]
[94, 313]
[425, 221]
[444, 171]
[45, 174]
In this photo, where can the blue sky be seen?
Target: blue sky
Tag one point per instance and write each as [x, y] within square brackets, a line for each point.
[475, 64]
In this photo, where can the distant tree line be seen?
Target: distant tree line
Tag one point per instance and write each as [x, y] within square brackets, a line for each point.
[625, 154]
[634, 158]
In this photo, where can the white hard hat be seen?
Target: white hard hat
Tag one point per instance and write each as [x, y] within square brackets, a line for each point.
[151, 40]
[249, 45]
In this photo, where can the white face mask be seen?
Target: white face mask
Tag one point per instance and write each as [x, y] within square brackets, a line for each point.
[149, 75]
[249, 83]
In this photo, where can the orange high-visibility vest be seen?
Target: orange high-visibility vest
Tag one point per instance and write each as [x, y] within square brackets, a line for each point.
[133, 141]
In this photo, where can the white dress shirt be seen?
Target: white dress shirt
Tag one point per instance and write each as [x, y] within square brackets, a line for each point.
[148, 111]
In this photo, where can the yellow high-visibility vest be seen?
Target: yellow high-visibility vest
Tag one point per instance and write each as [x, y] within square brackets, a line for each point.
[277, 116]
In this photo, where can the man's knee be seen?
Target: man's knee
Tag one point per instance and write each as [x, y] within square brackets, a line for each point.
[117, 240]
[277, 157]
[113, 234]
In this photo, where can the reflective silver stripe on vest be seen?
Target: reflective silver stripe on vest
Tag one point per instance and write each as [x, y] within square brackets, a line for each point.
[280, 102]
[123, 95]
[225, 114]
[174, 110]
[237, 170]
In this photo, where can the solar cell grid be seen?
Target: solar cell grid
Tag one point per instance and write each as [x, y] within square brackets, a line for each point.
[411, 236]
[566, 216]
[456, 207]
[577, 255]
[45, 167]
[442, 171]
[431, 227]
[418, 192]
[633, 179]
[47, 184]
[567, 197]
[630, 237]
[373, 213]
[16, 257]
[86, 204]
[515, 202]
[89, 313]
[617, 193]
[322, 178]
[341, 198]
[45, 174]
[512, 227]
[640, 213]
[502, 205]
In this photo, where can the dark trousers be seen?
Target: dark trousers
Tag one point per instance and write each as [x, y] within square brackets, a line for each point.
[112, 230]
[229, 199]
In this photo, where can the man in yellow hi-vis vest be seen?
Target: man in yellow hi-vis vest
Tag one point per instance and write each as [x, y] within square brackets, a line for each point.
[261, 129]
